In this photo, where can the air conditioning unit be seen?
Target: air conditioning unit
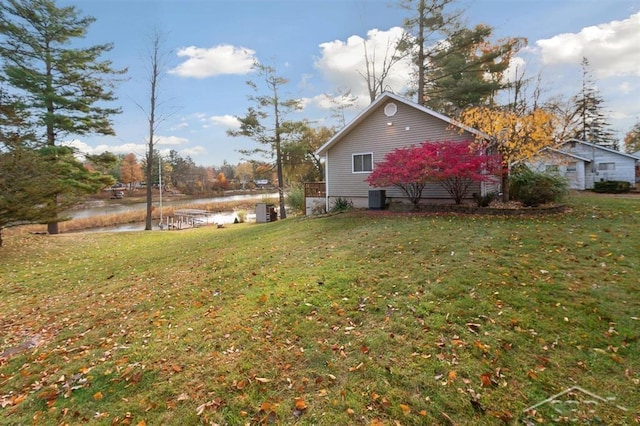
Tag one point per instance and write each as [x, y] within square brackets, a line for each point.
[377, 199]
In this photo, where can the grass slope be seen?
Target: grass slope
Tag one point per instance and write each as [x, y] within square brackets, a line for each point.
[357, 318]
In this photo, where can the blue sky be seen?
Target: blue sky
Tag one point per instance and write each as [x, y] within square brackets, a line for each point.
[318, 46]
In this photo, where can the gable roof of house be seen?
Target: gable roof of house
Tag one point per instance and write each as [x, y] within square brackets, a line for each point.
[386, 96]
[568, 154]
[593, 145]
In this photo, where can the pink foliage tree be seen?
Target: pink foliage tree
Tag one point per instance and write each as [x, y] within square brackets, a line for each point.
[453, 165]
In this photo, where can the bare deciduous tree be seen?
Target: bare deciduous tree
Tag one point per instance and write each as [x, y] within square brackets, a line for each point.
[157, 61]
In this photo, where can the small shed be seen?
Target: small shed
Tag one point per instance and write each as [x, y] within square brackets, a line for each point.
[266, 213]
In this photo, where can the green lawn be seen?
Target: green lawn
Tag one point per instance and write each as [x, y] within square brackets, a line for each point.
[363, 318]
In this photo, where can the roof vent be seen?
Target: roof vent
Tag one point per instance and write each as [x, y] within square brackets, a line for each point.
[390, 109]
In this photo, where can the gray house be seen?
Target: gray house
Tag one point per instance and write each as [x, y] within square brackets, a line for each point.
[388, 123]
[584, 163]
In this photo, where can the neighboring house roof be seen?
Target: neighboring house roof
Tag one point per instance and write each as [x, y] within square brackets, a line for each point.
[593, 145]
[568, 154]
[386, 96]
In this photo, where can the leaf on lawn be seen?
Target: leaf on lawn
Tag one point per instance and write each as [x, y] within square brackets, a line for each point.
[473, 327]
[266, 406]
[183, 397]
[505, 416]
[262, 380]
[299, 407]
[451, 376]
[97, 396]
[479, 345]
[241, 384]
[300, 404]
[357, 367]
[176, 368]
[211, 405]
[405, 408]
[485, 379]
[263, 298]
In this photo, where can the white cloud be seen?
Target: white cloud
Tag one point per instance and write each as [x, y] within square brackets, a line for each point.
[170, 140]
[611, 48]
[193, 151]
[306, 82]
[342, 62]
[625, 88]
[126, 148]
[517, 67]
[322, 101]
[227, 120]
[305, 102]
[182, 125]
[218, 60]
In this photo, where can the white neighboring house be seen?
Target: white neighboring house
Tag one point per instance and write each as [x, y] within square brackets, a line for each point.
[584, 163]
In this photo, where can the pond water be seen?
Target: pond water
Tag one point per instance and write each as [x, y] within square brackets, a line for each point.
[123, 208]
[214, 218]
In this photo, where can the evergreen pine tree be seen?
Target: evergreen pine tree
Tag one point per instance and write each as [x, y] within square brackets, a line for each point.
[591, 124]
[65, 89]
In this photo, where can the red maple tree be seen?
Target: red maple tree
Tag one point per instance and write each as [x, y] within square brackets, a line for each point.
[453, 165]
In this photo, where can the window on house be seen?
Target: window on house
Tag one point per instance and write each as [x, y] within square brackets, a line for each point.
[362, 163]
[572, 167]
[606, 166]
[551, 168]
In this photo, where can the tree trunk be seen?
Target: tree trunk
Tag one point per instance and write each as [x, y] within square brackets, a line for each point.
[52, 228]
[505, 186]
[148, 225]
[421, 65]
[283, 211]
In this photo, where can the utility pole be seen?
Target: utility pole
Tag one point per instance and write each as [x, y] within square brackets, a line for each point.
[160, 185]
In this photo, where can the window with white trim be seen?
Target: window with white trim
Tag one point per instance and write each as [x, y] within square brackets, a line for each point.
[362, 162]
[572, 166]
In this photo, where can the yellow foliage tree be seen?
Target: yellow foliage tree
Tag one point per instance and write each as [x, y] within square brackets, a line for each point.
[515, 137]
[130, 170]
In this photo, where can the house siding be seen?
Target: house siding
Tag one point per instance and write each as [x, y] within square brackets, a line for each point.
[624, 165]
[409, 127]
[576, 179]
[588, 159]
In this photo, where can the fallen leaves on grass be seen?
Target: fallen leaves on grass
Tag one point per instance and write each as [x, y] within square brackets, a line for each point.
[212, 405]
[299, 407]
[267, 413]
